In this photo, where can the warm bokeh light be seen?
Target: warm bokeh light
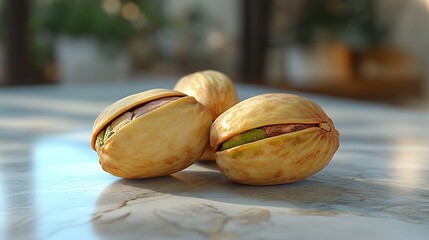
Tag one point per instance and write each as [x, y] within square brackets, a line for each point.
[141, 22]
[130, 11]
[216, 40]
[112, 6]
[51, 71]
[368, 50]
[409, 160]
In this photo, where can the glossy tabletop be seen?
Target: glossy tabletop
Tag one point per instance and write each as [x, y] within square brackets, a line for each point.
[52, 187]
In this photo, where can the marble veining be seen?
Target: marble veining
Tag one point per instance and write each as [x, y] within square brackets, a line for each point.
[52, 187]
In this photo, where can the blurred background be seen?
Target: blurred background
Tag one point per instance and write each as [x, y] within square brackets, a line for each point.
[376, 50]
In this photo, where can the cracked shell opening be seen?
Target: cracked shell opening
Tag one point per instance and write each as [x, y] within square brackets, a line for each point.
[267, 132]
[129, 116]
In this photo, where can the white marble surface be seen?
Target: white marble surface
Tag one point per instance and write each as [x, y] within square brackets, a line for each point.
[376, 187]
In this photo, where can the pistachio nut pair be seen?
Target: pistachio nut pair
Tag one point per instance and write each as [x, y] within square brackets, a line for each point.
[273, 139]
[214, 90]
[150, 134]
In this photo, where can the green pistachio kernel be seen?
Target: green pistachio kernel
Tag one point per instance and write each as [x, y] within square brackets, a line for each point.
[109, 132]
[243, 138]
[100, 140]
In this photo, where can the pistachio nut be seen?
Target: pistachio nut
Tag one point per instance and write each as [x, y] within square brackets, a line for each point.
[214, 90]
[273, 139]
[151, 134]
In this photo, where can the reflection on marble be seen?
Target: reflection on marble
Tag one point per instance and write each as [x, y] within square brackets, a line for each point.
[200, 203]
[52, 187]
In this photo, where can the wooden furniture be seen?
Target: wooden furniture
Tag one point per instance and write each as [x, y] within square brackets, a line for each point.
[259, 41]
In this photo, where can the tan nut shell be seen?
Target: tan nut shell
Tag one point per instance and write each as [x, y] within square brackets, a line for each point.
[214, 90]
[123, 105]
[281, 159]
[161, 142]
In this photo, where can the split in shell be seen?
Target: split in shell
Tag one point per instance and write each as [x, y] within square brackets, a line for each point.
[273, 139]
[151, 134]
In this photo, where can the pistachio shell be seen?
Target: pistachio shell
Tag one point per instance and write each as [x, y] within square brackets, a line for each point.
[125, 104]
[263, 110]
[160, 142]
[279, 159]
[209, 153]
[214, 90]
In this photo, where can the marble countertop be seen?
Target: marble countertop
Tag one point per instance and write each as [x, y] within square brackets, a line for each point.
[52, 187]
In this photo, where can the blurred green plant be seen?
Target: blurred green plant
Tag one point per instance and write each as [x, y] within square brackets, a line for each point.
[102, 19]
[350, 21]
[109, 21]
